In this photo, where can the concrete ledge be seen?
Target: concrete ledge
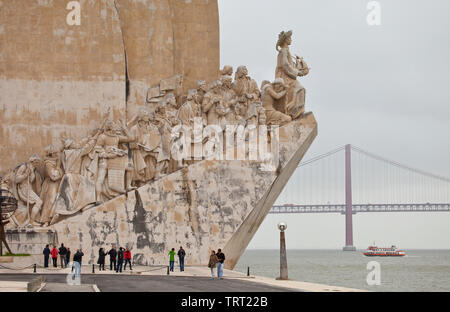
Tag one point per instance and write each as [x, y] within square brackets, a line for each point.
[35, 284]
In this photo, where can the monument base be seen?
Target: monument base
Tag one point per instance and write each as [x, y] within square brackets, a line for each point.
[349, 248]
[30, 241]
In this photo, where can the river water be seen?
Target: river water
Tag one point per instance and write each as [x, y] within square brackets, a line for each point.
[419, 270]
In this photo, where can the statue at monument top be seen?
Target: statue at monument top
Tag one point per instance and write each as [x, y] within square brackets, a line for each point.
[289, 68]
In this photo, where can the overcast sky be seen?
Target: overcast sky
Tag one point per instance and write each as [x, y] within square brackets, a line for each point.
[382, 88]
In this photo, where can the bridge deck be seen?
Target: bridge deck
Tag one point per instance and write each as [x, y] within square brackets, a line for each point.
[340, 208]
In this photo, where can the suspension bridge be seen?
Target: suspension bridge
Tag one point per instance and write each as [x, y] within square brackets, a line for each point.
[350, 180]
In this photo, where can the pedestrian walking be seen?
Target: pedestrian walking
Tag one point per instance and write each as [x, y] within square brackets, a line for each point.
[62, 256]
[77, 260]
[120, 256]
[181, 255]
[171, 259]
[221, 258]
[68, 256]
[213, 260]
[46, 253]
[112, 258]
[127, 256]
[101, 259]
[54, 254]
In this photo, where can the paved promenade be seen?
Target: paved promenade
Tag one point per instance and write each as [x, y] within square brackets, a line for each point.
[155, 279]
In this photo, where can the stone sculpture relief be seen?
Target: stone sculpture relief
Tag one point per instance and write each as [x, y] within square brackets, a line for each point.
[289, 68]
[119, 157]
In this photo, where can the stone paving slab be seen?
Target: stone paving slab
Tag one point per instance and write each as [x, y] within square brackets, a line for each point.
[149, 283]
[62, 287]
[13, 286]
[194, 278]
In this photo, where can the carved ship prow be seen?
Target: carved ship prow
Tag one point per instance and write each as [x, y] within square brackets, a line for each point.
[208, 205]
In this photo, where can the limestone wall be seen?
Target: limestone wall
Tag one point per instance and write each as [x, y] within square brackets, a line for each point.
[56, 78]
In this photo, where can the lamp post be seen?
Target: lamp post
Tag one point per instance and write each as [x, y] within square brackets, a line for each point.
[282, 226]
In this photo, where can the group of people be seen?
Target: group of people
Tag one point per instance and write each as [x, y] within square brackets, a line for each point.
[117, 259]
[64, 255]
[181, 254]
[122, 257]
[216, 260]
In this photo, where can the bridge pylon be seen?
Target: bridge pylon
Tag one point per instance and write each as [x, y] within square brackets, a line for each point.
[348, 201]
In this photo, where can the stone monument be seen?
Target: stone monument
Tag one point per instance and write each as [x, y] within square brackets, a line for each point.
[137, 138]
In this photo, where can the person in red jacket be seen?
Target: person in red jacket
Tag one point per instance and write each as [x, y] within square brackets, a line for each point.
[54, 254]
[127, 256]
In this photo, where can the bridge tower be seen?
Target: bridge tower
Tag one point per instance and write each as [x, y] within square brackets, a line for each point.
[348, 200]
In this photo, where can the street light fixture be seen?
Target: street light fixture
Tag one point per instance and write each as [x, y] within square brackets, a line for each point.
[282, 226]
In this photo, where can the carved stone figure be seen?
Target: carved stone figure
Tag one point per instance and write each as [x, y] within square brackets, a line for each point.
[171, 109]
[113, 162]
[211, 101]
[288, 70]
[256, 114]
[28, 183]
[245, 88]
[165, 131]
[202, 89]
[229, 98]
[75, 191]
[89, 162]
[271, 93]
[53, 174]
[227, 70]
[189, 110]
[145, 147]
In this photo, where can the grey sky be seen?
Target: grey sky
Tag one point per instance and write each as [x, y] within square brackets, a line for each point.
[382, 88]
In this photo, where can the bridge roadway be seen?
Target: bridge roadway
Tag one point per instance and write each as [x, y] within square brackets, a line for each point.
[341, 208]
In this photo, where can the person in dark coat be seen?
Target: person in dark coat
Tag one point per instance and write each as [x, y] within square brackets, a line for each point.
[62, 255]
[68, 256]
[101, 259]
[112, 258]
[221, 258]
[120, 257]
[46, 253]
[181, 255]
[77, 259]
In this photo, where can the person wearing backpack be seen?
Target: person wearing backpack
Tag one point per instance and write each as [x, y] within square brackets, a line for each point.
[181, 255]
[77, 259]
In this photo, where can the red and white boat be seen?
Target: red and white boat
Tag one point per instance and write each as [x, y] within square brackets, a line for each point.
[374, 251]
